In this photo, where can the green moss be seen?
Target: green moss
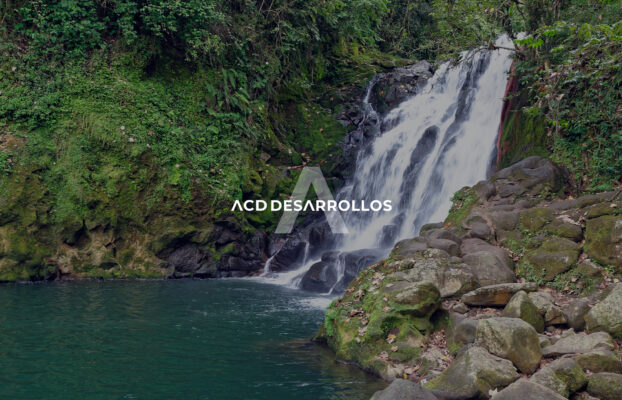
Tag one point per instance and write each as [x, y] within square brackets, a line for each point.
[462, 203]
[523, 134]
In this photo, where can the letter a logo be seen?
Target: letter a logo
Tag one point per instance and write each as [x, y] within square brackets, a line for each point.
[312, 176]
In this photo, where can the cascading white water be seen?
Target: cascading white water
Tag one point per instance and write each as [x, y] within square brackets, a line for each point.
[441, 140]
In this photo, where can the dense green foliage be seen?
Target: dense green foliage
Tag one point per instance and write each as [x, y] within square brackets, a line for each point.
[574, 77]
[569, 69]
[196, 86]
[115, 113]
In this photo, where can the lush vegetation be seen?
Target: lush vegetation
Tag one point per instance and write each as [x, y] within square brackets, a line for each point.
[115, 112]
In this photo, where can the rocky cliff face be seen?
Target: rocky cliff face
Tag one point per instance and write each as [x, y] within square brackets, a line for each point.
[505, 285]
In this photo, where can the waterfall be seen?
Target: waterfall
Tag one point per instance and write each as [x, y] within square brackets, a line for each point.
[438, 141]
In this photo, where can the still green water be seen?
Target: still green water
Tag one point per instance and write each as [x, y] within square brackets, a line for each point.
[219, 339]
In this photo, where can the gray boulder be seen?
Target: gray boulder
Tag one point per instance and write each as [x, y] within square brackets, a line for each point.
[527, 390]
[401, 389]
[554, 256]
[603, 239]
[473, 375]
[600, 361]
[434, 266]
[521, 306]
[605, 386]
[490, 264]
[607, 315]
[511, 338]
[553, 315]
[579, 344]
[575, 313]
[496, 295]
[564, 376]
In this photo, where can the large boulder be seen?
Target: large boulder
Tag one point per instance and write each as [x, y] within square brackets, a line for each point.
[564, 376]
[320, 278]
[554, 256]
[524, 389]
[600, 361]
[511, 338]
[496, 295]
[607, 316]
[575, 313]
[490, 264]
[408, 248]
[578, 344]
[473, 375]
[434, 266]
[603, 239]
[336, 270]
[544, 301]
[533, 219]
[462, 330]
[521, 306]
[605, 386]
[401, 389]
[533, 174]
[419, 299]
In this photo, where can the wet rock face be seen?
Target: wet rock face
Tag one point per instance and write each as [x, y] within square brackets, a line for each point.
[336, 270]
[187, 261]
[394, 87]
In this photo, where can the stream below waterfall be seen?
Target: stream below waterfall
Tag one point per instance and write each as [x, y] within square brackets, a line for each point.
[185, 339]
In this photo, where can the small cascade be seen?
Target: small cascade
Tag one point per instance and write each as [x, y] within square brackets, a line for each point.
[436, 142]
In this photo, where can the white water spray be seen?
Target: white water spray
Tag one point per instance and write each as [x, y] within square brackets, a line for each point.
[442, 140]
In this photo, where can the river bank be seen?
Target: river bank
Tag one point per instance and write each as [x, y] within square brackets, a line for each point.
[502, 289]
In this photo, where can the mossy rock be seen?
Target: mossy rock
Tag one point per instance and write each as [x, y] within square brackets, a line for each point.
[521, 306]
[603, 240]
[533, 219]
[554, 256]
[605, 386]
